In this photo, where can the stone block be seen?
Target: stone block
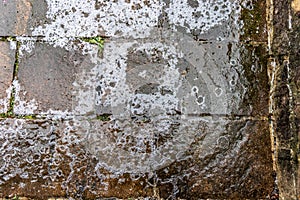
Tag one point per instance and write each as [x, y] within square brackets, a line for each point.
[7, 60]
[202, 21]
[206, 21]
[142, 79]
[229, 160]
[18, 18]
[46, 79]
[188, 158]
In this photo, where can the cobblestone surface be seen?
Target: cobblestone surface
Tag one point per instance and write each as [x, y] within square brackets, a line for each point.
[184, 100]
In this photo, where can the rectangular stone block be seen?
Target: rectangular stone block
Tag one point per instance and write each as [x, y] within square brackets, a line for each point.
[194, 78]
[47, 80]
[7, 60]
[179, 74]
[206, 21]
[229, 160]
[169, 158]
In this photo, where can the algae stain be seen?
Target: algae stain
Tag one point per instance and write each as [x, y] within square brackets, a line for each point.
[104, 117]
[98, 40]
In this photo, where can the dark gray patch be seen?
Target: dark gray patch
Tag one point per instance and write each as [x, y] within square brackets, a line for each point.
[193, 3]
[149, 88]
[164, 90]
[51, 82]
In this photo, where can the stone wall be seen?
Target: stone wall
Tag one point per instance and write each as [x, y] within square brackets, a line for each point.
[188, 99]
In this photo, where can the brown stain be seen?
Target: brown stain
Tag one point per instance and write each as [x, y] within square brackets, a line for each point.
[296, 5]
[23, 12]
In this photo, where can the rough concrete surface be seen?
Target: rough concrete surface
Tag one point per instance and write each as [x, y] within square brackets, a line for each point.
[188, 99]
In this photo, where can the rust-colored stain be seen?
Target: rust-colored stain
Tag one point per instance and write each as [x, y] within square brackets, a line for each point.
[24, 10]
[296, 5]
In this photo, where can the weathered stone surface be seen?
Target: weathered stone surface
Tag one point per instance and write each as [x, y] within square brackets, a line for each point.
[254, 80]
[45, 79]
[18, 17]
[88, 159]
[202, 21]
[7, 60]
[231, 79]
[253, 16]
[223, 165]
[197, 78]
[174, 107]
[281, 27]
[295, 87]
[286, 97]
[41, 159]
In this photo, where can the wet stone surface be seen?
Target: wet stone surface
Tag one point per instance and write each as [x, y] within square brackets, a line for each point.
[286, 38]
[57, 159]
[174, 106]
[210, 77]
[7, 60]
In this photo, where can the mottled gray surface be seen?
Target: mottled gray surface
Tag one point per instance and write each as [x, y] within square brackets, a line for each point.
[7, 60]
[46, 74]
[19, 16]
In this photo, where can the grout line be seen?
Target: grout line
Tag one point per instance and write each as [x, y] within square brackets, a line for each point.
[16, 64]
[42, 39]
[184, 117]
[10, 111]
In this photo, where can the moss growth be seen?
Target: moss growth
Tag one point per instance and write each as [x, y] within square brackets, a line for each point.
[3, 115]
[104, 117]
[12, 115]
[8, 39]
[27, 116]
[15, 198]
[254, 22]
[95, 40]
[10, 112]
